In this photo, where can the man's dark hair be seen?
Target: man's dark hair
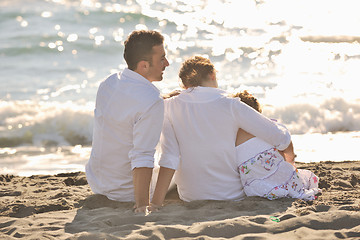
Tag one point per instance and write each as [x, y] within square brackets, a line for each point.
[138, 46]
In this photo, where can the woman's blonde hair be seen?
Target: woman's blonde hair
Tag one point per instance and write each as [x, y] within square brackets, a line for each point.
[195, 70]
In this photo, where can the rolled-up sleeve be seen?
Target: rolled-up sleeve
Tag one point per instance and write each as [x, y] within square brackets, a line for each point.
[261, 126]
[146, 134]
[170, 153]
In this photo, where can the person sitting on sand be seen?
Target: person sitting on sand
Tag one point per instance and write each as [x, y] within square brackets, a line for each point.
[198, 137]
[128, 120]
[267, 172]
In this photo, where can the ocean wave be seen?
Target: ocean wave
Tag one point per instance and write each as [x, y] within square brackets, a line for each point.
[330, 116]
[45, 123]
[69, 124]
[331, 39]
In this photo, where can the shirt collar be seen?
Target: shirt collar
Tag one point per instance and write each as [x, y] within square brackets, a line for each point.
[129, 74]
[201, 94]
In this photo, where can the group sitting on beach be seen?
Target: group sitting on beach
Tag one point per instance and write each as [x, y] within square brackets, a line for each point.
[217, 146]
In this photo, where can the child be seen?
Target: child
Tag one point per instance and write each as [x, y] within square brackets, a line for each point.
[267, 172]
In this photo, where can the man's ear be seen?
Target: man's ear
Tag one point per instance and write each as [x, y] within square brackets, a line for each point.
[142, 68]
[143, 65]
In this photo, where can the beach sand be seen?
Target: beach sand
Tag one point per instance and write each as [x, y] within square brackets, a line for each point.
[62, 206]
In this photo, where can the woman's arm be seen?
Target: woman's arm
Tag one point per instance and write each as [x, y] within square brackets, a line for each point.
[169, 161]
[260, 126]
[162, 186]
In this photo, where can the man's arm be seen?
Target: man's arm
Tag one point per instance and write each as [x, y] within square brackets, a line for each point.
[146, 134]
[162, 186]
[141, 181]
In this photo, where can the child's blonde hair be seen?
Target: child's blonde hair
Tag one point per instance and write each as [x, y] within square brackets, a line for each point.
[249, 99]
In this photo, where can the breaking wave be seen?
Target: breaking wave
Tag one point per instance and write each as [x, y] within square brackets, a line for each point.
[70, 124]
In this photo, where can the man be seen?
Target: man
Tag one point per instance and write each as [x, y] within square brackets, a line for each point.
[129, 115]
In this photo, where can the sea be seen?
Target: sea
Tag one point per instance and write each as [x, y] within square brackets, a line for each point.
[300, 58]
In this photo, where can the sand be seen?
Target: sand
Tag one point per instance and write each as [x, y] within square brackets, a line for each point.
[63, 207]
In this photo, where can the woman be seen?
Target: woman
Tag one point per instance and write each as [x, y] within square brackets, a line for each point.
[198, 137]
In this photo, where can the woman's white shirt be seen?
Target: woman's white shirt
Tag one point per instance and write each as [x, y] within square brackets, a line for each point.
[198, 140]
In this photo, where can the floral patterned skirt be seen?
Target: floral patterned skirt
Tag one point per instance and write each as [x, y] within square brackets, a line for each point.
[268, 175]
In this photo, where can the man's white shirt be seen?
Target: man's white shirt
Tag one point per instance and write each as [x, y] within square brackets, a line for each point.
[128, 118]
